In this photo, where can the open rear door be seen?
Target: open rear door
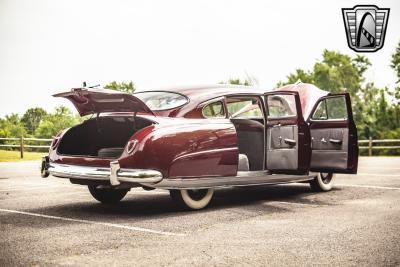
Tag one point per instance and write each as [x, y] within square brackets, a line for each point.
[287, 135]
[333, 135]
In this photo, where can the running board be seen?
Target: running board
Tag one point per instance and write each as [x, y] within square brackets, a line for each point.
[248, 178]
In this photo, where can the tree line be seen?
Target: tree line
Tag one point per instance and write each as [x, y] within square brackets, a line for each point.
[376, 109]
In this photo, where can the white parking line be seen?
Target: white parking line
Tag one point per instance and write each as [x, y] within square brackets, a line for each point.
[19, 183]
[292, 203]
[377, 174]
[32, 188]
[368, 186]
[378, 168]
[131, 228]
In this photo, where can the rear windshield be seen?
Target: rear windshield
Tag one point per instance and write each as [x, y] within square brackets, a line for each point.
[161, 100]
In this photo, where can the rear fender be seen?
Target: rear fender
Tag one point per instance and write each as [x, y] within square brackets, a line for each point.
[192, 149]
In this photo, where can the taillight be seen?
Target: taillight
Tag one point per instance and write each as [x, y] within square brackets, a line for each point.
[131, 146]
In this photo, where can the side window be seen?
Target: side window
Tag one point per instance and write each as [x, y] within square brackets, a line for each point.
[332, 108]
[244, 108]
[281, 106]
[214, 110]
[320, 112]
[337, 108]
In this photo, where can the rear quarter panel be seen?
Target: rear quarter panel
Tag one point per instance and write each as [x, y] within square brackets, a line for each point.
[182, 148]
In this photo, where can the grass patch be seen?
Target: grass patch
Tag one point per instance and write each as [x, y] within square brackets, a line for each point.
[6, 155]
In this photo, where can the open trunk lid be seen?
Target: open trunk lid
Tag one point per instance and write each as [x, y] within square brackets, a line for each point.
[94, 100]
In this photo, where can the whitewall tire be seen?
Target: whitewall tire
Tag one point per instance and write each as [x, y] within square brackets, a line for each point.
[192, 199]
[322, 182]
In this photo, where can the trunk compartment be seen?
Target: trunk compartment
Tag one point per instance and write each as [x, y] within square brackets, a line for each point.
[101, 137]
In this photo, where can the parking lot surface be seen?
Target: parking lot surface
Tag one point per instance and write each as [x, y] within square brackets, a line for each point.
[52, 222]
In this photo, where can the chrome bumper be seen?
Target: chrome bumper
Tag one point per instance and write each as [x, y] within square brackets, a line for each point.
[115, 174]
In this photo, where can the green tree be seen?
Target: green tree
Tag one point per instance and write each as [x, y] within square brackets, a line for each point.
[127, 87]
[238, 82]
[395, 62]
[373, 108]
[12, 126]
[32, 118]
[56, 121]
[336, 73]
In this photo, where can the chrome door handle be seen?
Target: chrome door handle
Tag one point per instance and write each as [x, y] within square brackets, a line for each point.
[335, 141]
[290, 142]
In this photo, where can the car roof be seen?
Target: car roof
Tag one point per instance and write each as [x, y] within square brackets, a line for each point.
[308, 93]
[201, 93]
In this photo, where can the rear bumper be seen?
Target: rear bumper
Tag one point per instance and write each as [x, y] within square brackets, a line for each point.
[115, 174]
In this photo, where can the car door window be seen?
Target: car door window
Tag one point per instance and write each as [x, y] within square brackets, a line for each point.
[244, 108]
[320, 112]
[333, 108]
[280, 106]
[214, 110]
[336, 107]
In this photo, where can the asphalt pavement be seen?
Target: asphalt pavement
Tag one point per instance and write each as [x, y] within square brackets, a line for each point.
[49, 221]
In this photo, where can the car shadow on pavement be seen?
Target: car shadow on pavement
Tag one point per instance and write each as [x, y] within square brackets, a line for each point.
[144, 207]
[252, 195]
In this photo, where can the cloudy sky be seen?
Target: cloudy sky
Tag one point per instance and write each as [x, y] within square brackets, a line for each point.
[47, 46]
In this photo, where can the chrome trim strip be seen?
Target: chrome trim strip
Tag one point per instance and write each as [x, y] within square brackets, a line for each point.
[114, 174]
[216, 150]
[242, 179]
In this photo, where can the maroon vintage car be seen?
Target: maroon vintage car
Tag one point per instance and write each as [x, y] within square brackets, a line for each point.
[195, 139]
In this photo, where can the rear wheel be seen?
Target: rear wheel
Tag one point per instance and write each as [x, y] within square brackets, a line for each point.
[107, 195]
[192, 199]
[322, 182]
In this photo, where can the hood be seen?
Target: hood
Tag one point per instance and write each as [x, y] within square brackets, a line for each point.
[93, 100]
[309, 95]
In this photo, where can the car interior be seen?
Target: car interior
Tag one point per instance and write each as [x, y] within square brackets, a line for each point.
[329, 140]
[247, 116]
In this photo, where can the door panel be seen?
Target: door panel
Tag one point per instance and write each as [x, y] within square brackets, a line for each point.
[330, 139]
[282, 154]
[288, 137]
[329, 148]
[333, 136]
[280, 136]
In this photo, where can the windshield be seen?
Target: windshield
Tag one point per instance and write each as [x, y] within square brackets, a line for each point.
[161, 100]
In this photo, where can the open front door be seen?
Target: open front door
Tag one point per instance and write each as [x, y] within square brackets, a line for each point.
[333, 135]
[287, 135]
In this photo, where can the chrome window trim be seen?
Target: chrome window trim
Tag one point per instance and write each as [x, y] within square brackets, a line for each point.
[326, 106]
[161, 91]
[206, 104]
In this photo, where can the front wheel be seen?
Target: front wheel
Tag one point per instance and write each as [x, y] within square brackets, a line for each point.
[322, 182]
[192, 199]
[107, 195]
